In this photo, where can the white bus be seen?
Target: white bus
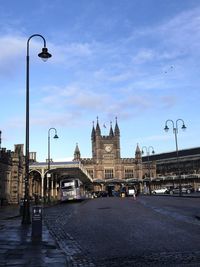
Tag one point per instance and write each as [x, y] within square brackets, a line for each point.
[71, 189]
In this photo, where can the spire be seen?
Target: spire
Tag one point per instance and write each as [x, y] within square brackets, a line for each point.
[138, 153]
[98, 130]
[117, 132]
[77, 154]
[93, 132]
[111, 130]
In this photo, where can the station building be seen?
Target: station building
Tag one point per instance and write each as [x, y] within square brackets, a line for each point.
[106, 168]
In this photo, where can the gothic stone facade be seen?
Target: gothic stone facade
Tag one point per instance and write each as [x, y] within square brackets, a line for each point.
[106, 162]
[11, 174]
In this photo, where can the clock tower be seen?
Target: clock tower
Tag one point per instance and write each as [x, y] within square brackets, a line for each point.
[106, 163]
[105, 147]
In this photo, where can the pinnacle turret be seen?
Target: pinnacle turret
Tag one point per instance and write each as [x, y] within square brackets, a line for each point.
[93, 132]
[77, 154]
[111, 130]
[138, 154]
[117, 132]
[138, 151]
[98, 130]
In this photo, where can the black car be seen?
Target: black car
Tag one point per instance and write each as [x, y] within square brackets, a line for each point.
[97, 194]
[185, 189]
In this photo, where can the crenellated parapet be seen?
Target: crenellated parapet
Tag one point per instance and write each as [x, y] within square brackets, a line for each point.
[107, 137]
[86, 161]
[128, 160]
[5, 156]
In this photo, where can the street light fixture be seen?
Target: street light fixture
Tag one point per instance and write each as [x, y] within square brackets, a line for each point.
[49, 159]
[44, 55]
[175, 131]
[148, 150]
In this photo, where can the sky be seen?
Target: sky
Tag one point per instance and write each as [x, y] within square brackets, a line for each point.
[137, 60]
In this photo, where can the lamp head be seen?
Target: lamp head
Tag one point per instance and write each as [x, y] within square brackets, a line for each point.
[183, 127]
[153, 152]
[55, 136]
[166, 128]
[142, 152]
[44, 55]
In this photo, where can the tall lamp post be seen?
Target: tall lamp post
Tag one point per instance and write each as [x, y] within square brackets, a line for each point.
[49, 159]
[148, 150]
[0, 139]
[175, 131]
[43, 55]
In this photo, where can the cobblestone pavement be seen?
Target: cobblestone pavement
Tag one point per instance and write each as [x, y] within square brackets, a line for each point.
[114, 232]
[18, 249]
[56, 220]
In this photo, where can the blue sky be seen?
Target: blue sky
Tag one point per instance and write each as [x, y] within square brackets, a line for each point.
[138, 60]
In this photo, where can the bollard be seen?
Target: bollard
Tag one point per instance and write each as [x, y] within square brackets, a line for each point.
[37, 222]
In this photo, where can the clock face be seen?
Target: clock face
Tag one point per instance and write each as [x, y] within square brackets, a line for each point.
[108, 148]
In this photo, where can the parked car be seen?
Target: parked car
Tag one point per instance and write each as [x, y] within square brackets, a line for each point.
[163, 190]
[97, 194]
[103, 194]
[185, 189]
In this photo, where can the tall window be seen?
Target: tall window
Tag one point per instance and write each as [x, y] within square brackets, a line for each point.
[129, 173]
[109, 173]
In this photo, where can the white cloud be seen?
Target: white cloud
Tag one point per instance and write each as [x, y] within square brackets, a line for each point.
[12, 49]
[143, 55]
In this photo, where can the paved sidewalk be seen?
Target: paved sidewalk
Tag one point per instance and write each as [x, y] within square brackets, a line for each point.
[18, 249]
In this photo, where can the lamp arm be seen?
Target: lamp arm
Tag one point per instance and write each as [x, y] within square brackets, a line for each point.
[52, 129]
[171, 122]
[177, 123]
[34, 35]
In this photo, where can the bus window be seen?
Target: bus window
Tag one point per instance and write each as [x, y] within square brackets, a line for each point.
[76, 183]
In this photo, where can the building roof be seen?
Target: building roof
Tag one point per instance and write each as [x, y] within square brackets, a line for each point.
[189, 152]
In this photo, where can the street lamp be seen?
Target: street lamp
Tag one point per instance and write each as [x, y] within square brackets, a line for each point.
[0, 139]
[148, 150]
[55, 137]
[43, 55]
[175, 131]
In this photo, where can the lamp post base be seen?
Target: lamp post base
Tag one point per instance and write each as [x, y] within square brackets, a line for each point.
[26, 218]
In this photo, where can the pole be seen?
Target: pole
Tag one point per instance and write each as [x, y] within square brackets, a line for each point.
[175, 130]
[177, 159]
[0, 139]
[49, 159]
[149, 173]
[149, 169]
[48, 173]
[26, 204]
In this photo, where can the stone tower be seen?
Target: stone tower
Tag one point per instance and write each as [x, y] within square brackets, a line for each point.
[105, 147]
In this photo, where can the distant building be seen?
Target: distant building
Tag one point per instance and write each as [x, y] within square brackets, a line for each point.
[168, 167]
[166, 163]
[11, 174]
[106, 164]
[106, 167]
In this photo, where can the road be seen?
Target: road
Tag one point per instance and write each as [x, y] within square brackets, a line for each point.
[151, 231]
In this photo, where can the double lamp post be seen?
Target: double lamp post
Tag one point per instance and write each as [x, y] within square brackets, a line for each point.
[149, 150]
[175, 131]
